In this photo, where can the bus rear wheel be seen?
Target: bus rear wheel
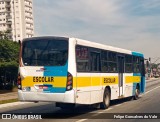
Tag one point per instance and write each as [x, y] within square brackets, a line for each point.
[106, 99]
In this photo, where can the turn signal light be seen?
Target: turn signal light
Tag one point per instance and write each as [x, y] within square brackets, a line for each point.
[19, 82]
[69, 82]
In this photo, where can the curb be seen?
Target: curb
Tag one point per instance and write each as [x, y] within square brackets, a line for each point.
[13, 104]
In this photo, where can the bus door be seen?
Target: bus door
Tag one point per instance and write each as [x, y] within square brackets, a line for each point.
[120, 74]
[142, 70]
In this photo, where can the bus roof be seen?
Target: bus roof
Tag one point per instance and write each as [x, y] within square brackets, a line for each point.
[44, 37]
[107, 47]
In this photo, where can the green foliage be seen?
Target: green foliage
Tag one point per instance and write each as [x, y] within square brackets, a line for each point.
[9, 52]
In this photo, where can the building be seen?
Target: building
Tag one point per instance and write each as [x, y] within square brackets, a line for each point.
[16, 18]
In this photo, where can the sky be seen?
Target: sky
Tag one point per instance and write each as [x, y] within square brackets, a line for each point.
[129, 24]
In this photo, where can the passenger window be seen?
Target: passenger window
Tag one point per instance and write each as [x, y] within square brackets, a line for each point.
[128, 64]
[82, 59]
[142, 68]
[136, 64]
[95, 61]
[104, 63]
[112, 62]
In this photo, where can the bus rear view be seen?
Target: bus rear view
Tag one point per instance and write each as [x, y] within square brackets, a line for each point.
[71, 71]
[43, 70]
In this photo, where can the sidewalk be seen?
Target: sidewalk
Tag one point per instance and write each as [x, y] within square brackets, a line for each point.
[8, 96]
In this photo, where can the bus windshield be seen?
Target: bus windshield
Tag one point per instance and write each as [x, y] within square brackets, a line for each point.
[45, 52]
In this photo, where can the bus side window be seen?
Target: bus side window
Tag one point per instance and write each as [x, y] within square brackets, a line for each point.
[104, 63]
[82, 59]
[128, 64]
[136, 64]
[95, 61]
[142, 68]
[112, 62]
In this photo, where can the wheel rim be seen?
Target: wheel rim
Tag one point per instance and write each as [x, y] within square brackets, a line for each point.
[107, 100]
[137, 93]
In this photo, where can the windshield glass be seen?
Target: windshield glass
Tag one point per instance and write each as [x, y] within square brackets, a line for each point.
[45, 52]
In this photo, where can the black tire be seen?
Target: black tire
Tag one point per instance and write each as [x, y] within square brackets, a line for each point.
[106, 99]
[137, 92]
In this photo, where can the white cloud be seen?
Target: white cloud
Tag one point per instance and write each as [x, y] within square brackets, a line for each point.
[105, 21]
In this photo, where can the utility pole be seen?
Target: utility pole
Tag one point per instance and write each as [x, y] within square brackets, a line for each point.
[150, 67]
[147, 68]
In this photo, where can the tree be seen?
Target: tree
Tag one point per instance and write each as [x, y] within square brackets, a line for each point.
[9, 52]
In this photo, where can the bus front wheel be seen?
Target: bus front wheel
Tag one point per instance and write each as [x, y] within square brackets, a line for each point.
[137, 92]
[106, 99]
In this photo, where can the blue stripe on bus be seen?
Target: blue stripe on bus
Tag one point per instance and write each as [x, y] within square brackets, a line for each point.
[136, 74]
[56, 70]
[52, 89]
[143, 84]
[55, 90]
[137, 54]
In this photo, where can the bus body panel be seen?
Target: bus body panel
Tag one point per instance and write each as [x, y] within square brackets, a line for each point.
[67, 97]
[89, 93]
[128, 84]
[44, 83]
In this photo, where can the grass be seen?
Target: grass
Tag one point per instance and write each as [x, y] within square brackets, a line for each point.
[5, 91]
[8, 101]
[14, 89]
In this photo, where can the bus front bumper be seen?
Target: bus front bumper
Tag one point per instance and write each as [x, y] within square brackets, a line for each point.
[67, 97]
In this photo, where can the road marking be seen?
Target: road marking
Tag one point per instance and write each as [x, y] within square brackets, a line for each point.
[81, 120]
[96, 114]
[108, 109]
[118, 105]
[102, 111]
[150, 91]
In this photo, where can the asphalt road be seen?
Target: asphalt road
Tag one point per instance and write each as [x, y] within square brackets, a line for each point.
[148, 103]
